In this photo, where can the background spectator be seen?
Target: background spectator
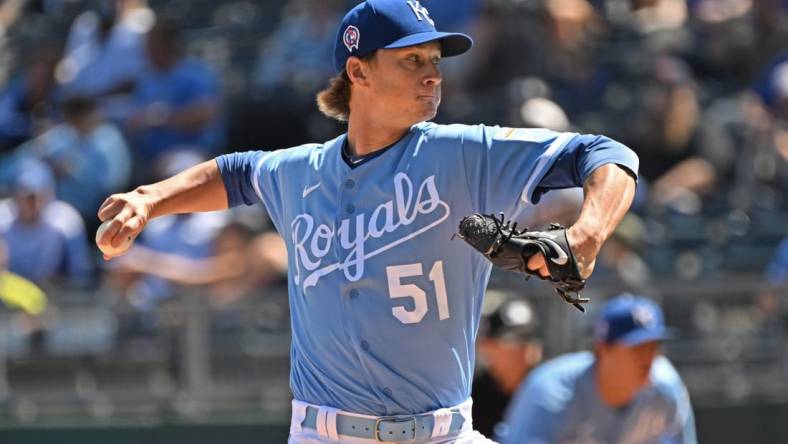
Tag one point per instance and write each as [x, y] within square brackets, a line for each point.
[105, 48]
[45, 237]
[27, 101]
[177, 102]
[297, 58]
[17, 292]
[88, 155]
[240, 262]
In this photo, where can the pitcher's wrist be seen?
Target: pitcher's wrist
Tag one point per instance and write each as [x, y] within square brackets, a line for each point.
[150, 198]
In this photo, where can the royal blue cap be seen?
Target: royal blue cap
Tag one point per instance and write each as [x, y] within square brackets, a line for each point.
[376, 24]
[631, 320]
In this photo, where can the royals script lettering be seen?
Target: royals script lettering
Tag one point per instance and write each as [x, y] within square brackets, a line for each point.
[422, 208]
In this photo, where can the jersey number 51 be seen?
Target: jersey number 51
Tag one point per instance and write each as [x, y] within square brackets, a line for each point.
[399, 290]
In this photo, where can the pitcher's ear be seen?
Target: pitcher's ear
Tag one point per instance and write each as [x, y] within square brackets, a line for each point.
[357, 71]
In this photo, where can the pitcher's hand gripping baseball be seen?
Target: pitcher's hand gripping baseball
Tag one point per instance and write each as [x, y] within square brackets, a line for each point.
[510, 249]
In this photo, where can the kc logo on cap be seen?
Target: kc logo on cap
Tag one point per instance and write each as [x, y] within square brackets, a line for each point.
[643, 316]
[351, 38]
[421, 12]
[391, 24]
[631, 320]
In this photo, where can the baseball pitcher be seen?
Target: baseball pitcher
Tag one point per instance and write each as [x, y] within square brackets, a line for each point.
[385, 305]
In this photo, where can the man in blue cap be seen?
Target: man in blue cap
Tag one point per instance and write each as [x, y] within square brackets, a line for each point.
[45, 236]
[384, 307]
[624, 392]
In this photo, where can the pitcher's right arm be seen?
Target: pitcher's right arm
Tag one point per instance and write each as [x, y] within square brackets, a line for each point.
[199, 188]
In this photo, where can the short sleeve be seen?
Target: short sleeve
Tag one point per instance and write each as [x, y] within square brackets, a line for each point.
[252, 177]
[237, 170]
[581, 157]
[505, 165]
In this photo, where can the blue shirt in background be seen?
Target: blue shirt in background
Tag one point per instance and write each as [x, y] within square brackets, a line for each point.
[76, 158]
[189, 82]
[94, 65]
[777, 270]
[54, 248]
[559, 403]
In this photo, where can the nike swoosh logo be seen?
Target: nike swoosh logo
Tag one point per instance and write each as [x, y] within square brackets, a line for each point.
[562, 257]
[308, 191]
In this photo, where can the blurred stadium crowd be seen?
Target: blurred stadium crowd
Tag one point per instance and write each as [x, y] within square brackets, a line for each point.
[99, 96]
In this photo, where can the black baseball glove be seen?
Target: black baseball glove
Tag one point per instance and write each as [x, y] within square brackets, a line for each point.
[507, 248]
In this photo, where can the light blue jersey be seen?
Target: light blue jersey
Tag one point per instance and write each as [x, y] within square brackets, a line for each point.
[384, 305]
[559, 403]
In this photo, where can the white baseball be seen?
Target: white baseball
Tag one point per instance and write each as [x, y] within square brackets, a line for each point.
[107, 248]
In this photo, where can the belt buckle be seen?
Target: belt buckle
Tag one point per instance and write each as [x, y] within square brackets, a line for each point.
[396, 420]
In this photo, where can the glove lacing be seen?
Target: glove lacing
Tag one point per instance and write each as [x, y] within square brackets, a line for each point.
[506, 228]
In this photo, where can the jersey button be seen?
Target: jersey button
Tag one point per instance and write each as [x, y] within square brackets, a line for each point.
[365, 345]
[350, 183]
[387, 391]
[350, 209]
[354, 293]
